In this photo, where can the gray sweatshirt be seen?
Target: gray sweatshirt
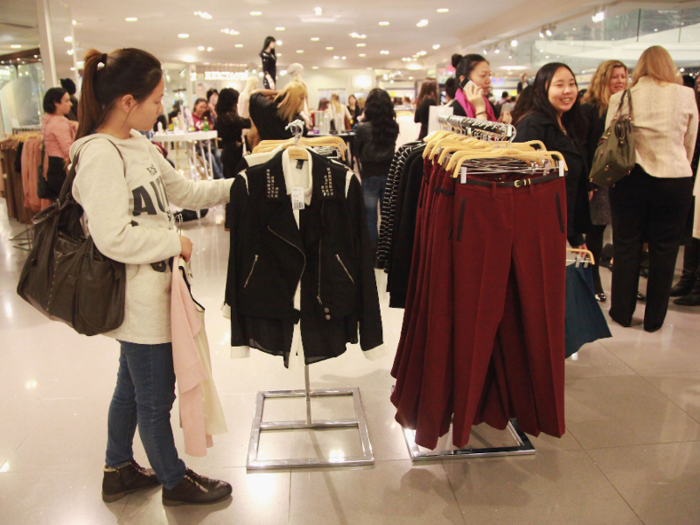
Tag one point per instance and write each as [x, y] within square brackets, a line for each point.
[127, 212]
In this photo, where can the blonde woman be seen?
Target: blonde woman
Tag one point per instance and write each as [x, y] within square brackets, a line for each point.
[610, 78]
[272, 111]
[339, 113]
[652, 202]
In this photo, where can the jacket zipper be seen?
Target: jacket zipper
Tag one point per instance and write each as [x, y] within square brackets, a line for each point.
[251, 272]
[320, 246]
[303, 268]
[344, 268]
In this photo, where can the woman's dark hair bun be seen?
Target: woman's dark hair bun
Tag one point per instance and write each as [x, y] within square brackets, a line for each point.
[456, 59]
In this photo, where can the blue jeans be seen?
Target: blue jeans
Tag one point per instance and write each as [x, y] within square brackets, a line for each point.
[144, 395]
[373, 191]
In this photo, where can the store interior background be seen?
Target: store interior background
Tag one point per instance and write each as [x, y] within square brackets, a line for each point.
[346, 48]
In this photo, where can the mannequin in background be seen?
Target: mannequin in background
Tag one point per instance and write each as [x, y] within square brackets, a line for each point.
[269, 63]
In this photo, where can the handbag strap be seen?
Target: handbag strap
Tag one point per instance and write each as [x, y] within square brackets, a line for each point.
[629, 104]
[67, 188]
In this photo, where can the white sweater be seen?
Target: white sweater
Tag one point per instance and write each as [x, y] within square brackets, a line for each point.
[665, 124]
[127, 212]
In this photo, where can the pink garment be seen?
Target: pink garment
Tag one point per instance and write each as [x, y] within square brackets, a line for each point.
[469, 107]
[200, 409]
[31, 158]
[59, 135]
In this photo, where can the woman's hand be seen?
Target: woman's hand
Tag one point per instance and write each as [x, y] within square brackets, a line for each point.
[475, 95]
[185, 248]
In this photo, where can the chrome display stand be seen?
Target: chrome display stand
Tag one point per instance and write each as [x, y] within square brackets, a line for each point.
[23, 240]
[359, 422]
[523, 447]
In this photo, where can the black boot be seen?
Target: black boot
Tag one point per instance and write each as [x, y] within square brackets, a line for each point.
[691, 254]
[118, 482]
[691, 299]
[194, 489]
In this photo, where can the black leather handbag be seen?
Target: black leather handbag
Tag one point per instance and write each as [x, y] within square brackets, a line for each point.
[65, 276]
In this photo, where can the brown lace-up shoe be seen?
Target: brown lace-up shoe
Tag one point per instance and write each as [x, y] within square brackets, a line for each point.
[194, 489]
[118, 482]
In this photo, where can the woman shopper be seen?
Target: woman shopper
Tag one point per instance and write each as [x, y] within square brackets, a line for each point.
[272, 115]
[59, 134]
[609, 78]
[355, 111]
[652, 202]
[124, 186]
[375, 143]
[427, 97]
[474, 75]
[554, 118]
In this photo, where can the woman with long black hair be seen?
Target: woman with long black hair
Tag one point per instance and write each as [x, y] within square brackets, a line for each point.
[269, 63]
[554, 118]
[375, 144]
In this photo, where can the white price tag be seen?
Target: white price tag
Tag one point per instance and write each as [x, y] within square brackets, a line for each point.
[298, 198]
[463, 175]
[561, 168]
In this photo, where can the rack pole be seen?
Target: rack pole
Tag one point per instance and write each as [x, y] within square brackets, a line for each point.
[307, 391]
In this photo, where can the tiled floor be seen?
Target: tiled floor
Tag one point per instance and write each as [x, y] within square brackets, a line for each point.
[631, 453]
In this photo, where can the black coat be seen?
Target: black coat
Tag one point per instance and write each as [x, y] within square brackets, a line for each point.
[329, 252]
[537, 127]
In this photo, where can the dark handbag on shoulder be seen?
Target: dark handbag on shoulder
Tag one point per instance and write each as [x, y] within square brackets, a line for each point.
[615, 156]
[65, 276]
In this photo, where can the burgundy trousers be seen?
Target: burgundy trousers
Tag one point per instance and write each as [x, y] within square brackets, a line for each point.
[509, 256]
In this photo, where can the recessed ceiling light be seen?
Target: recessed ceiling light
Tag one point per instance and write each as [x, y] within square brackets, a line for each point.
[363, 55]
[383, 23]
[70, 51]
[300, 51]
[131, 19]
[318, 11]
[188, 58]
[183, 35]
[497, 51]
[443, 10]
[279, 42]
[75, 22]
[344, 58]
[410, 78]
[203, 14]
[315, 39]
[315, 67]
[384, 52]
[336, 57]
[361, 45]
[239, 45]
[255, 13]
[279, 29]
[68, 39]
[201, 48]
[436, 46]
[549, 32]
[329, 49]
[279, 54]
[210, 49]
[16, 46]
[422, 23]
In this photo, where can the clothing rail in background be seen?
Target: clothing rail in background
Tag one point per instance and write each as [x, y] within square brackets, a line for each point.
[467, 124]
[25, 129]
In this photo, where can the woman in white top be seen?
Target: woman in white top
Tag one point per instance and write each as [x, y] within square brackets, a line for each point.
[338, 113]
[652, 203]
[125, 187]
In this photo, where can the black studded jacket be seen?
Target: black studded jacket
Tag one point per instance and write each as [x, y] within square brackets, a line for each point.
[329, 252]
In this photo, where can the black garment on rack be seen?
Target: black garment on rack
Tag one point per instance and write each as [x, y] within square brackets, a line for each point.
[403, 234]
[585, 321]
[329, 253]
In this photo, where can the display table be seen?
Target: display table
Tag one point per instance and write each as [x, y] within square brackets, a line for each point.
[193, 140]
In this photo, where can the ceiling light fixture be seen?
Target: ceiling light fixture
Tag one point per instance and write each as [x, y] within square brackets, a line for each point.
[70, 51]
[300, 51]
[486, 52]
[336, 57]
[384, 52]
[239, 45]
[279, 42]
[255, 13]
[183, 35]
[203, 14]
[279, 29]
[315, 39]
[497, 51]
[188, 58]
[383, 23]
[201, 48]
[514, 43]
[363, 55]
[548, 32]
[16, 46]
[68, 39]
[210, 49]
[443, 10]
[361, 45]
[344, 58]
[599, 16]
[422, 23]
[541, 34]
[318, 11]
[329, 49]
[315, 67]
[436, 46]
[131, 19]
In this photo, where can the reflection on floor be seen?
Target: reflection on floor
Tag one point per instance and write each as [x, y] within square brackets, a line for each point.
[631, 453]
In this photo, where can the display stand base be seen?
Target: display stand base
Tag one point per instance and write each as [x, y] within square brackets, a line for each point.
[523, 447]
[23, 240]
[359, 422]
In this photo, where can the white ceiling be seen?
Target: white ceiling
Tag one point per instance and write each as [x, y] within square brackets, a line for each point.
[469, 25]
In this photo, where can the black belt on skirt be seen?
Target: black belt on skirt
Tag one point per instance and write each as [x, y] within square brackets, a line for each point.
[522, 183]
